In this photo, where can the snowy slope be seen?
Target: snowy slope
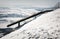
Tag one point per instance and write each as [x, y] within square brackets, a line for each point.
[18, 11]
[11, 15]
[47, 26]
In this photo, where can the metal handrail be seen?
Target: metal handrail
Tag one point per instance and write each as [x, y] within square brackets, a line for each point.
[42, 12]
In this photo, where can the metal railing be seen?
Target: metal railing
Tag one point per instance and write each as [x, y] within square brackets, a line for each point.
[39, 13]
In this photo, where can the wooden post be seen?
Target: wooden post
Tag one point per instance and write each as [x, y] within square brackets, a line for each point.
[18, 24]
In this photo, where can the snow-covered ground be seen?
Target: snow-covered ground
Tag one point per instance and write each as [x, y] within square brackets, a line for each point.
[19, 11]
[46, 26]
[11, 15]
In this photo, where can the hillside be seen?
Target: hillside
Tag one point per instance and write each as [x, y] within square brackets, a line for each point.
[10, 15]
[46, 26]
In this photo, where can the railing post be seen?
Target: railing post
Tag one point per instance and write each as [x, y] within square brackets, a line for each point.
[18, 24]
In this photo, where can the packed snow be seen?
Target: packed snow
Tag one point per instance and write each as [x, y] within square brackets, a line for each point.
[46, 26]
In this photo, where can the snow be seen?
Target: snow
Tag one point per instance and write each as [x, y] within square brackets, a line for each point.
[46, 26]
[28, 12]
[8, 21]
[14, 14]
[19, 11]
